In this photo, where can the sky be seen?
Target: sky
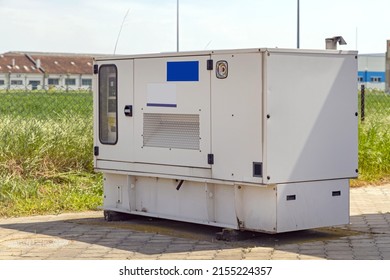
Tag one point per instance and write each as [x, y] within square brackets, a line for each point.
[93, 26]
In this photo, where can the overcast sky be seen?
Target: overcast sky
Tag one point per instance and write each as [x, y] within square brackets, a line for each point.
[92, 26]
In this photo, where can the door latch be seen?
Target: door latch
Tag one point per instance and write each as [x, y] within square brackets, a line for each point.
[128, 110]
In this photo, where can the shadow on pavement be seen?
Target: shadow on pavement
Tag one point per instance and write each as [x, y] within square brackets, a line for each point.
[153, 236]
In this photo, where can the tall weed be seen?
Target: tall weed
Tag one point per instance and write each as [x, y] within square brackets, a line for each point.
[374, 151]
[46, 163]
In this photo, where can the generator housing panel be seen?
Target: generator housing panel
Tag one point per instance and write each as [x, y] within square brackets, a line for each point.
[259, 139]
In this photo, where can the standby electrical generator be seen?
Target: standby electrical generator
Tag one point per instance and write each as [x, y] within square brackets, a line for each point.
[256, 139]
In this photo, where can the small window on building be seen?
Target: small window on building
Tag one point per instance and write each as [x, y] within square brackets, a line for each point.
[70, 82]
[1, 82]
[360, 79]
[86, 82]
[376, 79]
[34, 82]
[54, 82]
[16, 82]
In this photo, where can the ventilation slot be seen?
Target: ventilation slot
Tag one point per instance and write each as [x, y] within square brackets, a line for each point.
[257, 169]
[179, 131]
[291, 197]
[336, 193]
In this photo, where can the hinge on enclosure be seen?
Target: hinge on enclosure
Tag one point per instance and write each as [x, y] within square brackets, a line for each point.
[209, 64]
[96, 150]
[210, 158]
[95, 69]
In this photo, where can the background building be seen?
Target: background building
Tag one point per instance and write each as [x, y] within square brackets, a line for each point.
[372, 70]
[32, 71]
[35, 70]
[387, 82]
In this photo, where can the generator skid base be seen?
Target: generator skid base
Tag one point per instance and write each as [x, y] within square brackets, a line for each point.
[256, 139]
[111, 216]
[273, 208]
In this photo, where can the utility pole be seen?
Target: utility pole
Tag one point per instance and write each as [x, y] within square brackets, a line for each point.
[297, 24]
[177, 27]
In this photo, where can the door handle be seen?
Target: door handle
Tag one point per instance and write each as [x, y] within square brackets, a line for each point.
[128, 110]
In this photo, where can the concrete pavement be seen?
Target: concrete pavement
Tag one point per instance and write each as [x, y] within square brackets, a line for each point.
[87, 236]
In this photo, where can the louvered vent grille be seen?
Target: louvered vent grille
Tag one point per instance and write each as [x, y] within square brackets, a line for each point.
[180, 131]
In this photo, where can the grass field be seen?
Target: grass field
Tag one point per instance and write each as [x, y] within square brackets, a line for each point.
[374, 139]
[46, 151]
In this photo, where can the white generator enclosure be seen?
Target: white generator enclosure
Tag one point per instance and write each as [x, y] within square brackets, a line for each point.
[257, 139]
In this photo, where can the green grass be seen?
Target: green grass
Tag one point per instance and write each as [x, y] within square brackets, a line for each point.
[34, 148]
[42, 105]
[46, 163]
[374, 139]
[60, 193]
[46, 148]
[374, 152]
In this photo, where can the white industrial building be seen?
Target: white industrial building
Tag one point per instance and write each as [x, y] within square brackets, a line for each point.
[35, 71]
[371, 70]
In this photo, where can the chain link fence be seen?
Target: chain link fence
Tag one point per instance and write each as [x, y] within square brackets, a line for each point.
[45, 132]
[46, 105]
[374, 106]
[51, 88]
[374, 135]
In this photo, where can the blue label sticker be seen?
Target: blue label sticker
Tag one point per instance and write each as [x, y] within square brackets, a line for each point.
[183, 71]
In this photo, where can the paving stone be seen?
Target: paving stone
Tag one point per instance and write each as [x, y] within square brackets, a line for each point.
[340, 246]
[369, 215]
[259, 257]
[312, 252]
[177, 249]
[385, 249]
[305, 257]
[182, 255]
[35, 255]
[261, 249]
[386, 256]
[285, 255]
[367, 258]
[204, 257]
[117, 256]
[340, 257]
[200, 254]
[229, 255]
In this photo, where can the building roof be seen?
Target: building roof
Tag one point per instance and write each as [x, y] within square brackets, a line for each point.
[45, 63]
[60, 64]
[17, 63]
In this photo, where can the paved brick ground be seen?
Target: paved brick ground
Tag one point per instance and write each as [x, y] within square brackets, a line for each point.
[88, 236]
